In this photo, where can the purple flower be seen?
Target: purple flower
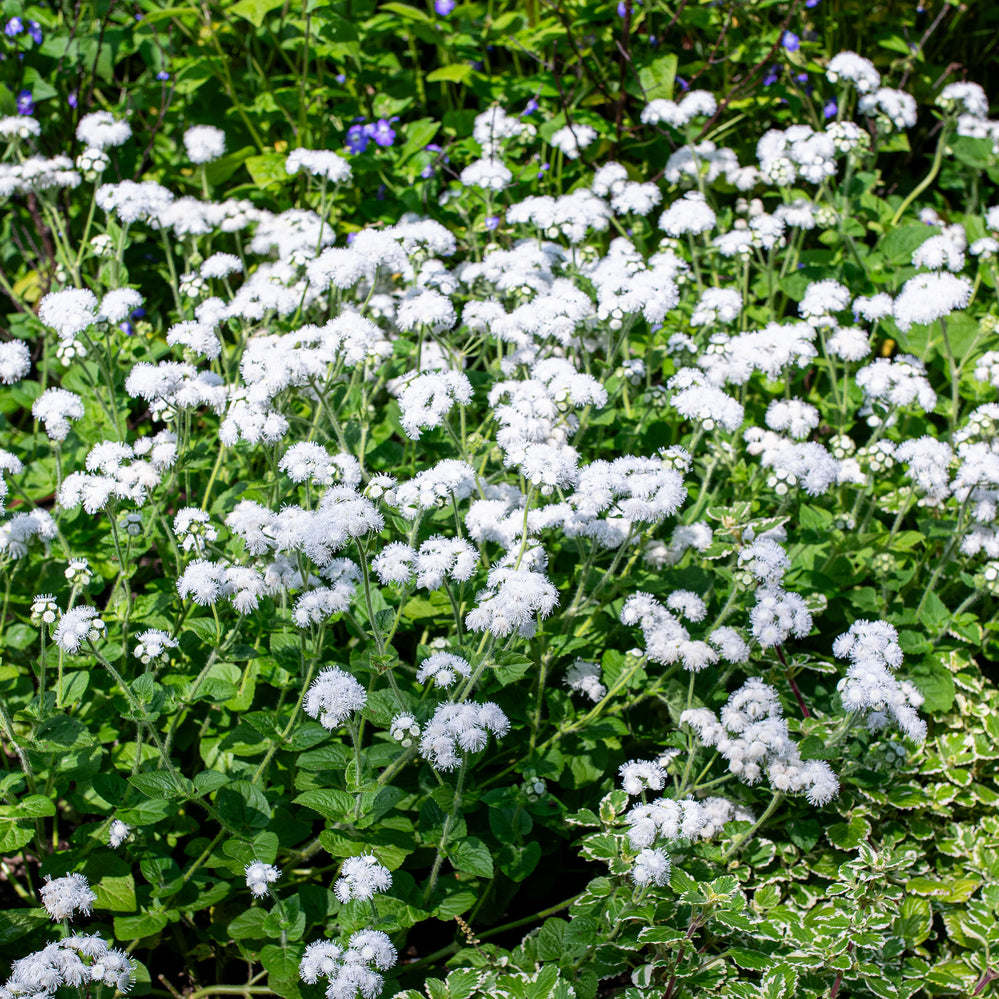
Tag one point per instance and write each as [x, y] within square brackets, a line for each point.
[444, 7]
[25, 103]
[684, 86]
[341, 78]
[811, 3]
[357, 138]
[351, 236]
[71, 99]
[802, 78]
[380, 193]
[492, 222]
[127, 328]
[542, 169]
[35, 30]
[163, 75]
[791, 41]
[382, 132]
[529, 108]
[771, 78]
[13, 27]
[829, 111]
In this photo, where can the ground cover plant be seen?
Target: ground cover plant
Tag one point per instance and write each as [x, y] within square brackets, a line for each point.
[556, 577]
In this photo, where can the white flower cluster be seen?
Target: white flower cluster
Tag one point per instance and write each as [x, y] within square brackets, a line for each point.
[333, 697]
[870, 686]
[348, 969]
[66, 896]
[361, 878]
[584, 677]
[258, 876]
[460, 728]
[753, 738]
[690, 819]
[79, 961]
[117, 471]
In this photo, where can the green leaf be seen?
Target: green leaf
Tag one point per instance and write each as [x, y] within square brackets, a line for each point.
[61, 733]
[281, 963]
[146, 924]
[116, 893]
[779, 983]
[751, 960]
[658, 77]
[881, 986]
[209, 780]
[17, 923]
[243, 804]
[849, 835]
[407, 13]
[455, 903]
[13, 836]
[511, 666]
[34, 806]
[551, 938]
[248, 925]
[265, 170]
[286, 917]
[936, 683]
[254, 11]
[914, 921]
[457, 72]
[161, 784]
[331, 804]
[472, 856]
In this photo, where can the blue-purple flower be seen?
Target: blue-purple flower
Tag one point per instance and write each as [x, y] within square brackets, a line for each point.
[382, 131]
[163, 76]
[25, 103]
[35, 31]
[13, 27]
[444, 7]
[791, 41]
[357, 139]
[829, 111]
[492, 221]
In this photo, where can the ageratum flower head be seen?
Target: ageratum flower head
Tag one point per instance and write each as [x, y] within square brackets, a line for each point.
[66, 896]
[333, 697]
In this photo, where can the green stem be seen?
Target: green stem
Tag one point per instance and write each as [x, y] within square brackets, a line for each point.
[446, 831]
[740, 840]
[928, 179]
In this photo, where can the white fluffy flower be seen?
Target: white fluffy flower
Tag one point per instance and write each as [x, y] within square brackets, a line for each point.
[259, 876]
[573, 139]
[333, 696]
[204, 143]
[361, 877]
[66, 896]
